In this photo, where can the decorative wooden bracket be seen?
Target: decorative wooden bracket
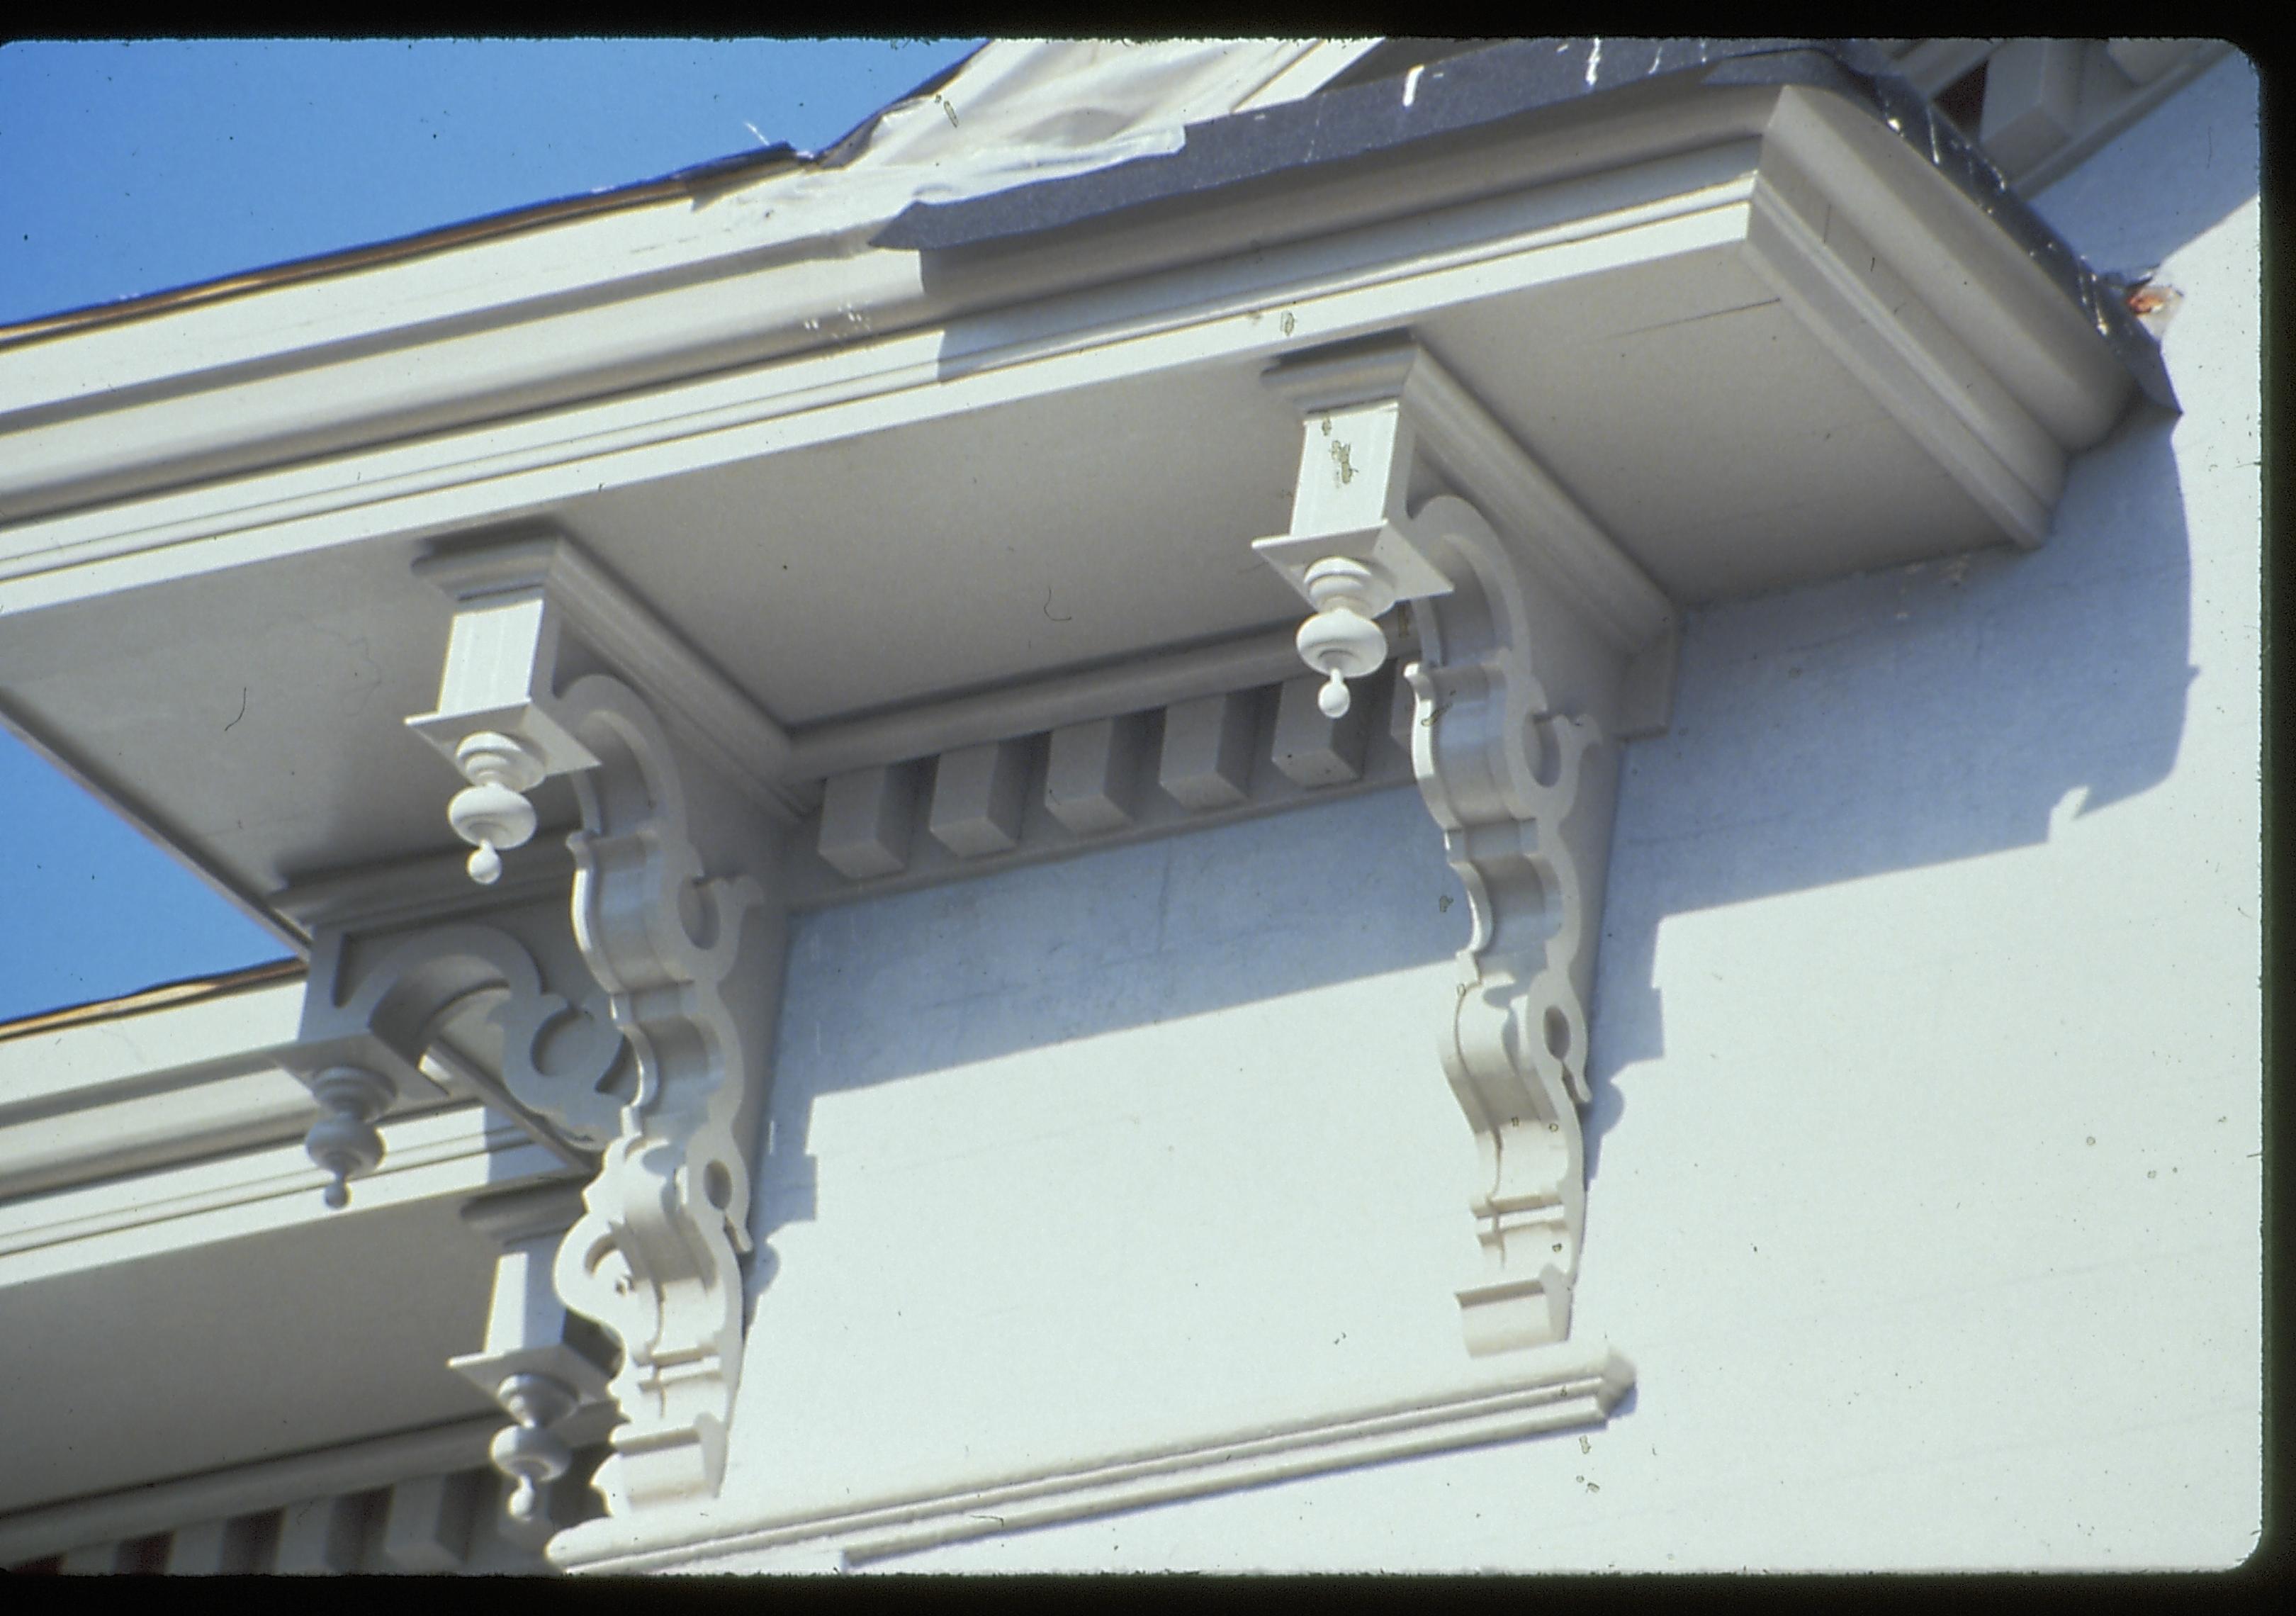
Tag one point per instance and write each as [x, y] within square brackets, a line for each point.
[1540, 645]
[674, 902]
[383, 987]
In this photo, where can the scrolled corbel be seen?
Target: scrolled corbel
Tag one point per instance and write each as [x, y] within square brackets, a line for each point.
[656, 1256]
[681, 935]
[1539, 646]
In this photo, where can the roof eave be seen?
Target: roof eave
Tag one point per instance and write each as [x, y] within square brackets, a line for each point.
[1521, 81]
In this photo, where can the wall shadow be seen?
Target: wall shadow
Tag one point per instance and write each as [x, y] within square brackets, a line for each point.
[1914, 716]
[1863, 727]
[1896, 719]
[1870, 725]
[889, 988]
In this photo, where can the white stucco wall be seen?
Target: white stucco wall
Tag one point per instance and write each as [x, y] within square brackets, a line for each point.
[1149, 1139]
[1925, 1187]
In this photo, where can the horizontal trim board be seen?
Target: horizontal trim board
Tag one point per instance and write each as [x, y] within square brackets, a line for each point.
[107, 1060]
[461, 480]
[455, 1150]
[112, 1135]
[1550, 1389]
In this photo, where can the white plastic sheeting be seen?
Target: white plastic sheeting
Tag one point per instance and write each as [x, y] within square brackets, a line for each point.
[1026, 110]
[1021, 111]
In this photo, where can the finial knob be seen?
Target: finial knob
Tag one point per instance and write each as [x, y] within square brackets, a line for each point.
[1339, 642]
[344, 1140]
[529, 1453]
[492, 813]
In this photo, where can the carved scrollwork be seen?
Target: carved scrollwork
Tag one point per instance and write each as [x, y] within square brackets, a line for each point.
[1507, 779]
[681, 941]
[655, 1257]
[1534, 647]
[378, 1001]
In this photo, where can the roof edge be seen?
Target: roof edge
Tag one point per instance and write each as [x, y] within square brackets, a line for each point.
[1499, 84]
[699, 181]
[166, 995]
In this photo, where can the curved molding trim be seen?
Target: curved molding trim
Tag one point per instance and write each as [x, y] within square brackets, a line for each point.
[1557, 1389]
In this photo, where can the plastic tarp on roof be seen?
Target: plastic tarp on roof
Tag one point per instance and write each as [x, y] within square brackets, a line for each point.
[1034, 109]
[1019, 111]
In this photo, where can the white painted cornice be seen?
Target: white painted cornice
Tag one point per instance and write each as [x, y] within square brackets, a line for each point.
[466, 410]
[1332, 259]
[1253, 309]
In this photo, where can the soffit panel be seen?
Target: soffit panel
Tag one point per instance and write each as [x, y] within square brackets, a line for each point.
[377, 1301]
[1730, 454]
[258, 714]
[973, 549]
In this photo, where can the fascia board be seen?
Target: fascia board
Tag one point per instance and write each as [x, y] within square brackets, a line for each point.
[456, 1151]
[428, 378]
[2064, 358]
[224, 1035]
[154, 1090]
[431, 345]
[1248, 309]
[120, 1133]
[1523, 80]
[433, 342]
[1481, 95]
[572, 263]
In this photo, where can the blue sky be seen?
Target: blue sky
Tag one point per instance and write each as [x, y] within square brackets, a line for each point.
[129, 167]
